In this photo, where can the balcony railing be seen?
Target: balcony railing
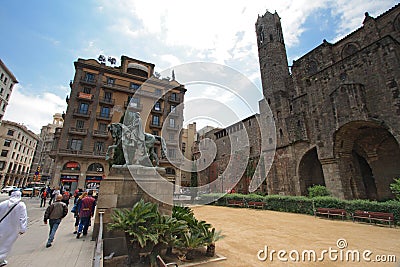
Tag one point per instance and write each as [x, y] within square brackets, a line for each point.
[155, 125]
[88, 81]
[79, 131]
[135, 106]
[175, 99]
[98, 133]
[107, 101]
[103, 116]
[82, 113]
[81, 153]
[159, 111]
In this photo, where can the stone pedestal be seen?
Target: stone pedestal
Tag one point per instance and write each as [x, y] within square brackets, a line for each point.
[125, 186]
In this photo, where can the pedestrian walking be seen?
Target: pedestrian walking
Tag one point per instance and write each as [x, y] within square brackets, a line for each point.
[86, 212]
[66, 197]
[13, 221]
[54, 213]
[78, 195]
[54, 192]
[43, 197]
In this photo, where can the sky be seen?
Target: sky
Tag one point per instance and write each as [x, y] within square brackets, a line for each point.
[42, 39]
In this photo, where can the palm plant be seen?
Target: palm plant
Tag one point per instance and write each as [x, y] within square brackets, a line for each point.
[139, 225]
[212, 236]
[190, 241]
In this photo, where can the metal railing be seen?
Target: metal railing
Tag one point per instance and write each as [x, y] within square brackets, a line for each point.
[98, 254]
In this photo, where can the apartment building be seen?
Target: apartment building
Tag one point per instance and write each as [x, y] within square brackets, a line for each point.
[42, 159]
[17, 146]
[7, 82]
[100, 95]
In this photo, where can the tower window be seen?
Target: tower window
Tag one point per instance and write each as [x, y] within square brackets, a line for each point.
[271, 38]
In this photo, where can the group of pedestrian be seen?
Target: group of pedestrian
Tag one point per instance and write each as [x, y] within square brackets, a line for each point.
[14, 219]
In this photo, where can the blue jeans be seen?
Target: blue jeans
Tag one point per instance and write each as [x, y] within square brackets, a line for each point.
[83, 225]
[54, 223]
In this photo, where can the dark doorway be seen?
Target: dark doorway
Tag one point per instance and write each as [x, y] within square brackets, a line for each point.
[310, 171]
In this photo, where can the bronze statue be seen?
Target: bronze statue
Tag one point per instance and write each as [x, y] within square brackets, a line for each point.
[137, 145]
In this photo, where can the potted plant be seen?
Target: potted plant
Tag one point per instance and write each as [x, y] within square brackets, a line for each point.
[212, 236]
[140, 227]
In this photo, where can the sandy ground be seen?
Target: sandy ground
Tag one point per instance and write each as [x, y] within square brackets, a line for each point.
[249, 230]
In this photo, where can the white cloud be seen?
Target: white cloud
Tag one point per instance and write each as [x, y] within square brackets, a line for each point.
[34, 111]
[351, 13]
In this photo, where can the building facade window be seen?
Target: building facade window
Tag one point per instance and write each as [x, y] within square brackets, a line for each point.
[4, 153]
[105, 112]
[7, 142]
[83, 108]
[107, 96]
[134, 86]
[134, 102]
[110, 81]
[171, 153]
[71, 166]
[96, 167]
[80, 124]
[76, 144]
[172, 122]
[157, 106]
[10, 132]
[99, 147]
[2, 165]
[87, 90]
[89, 77]
[102, 127]
[173, 109]
[155, 120]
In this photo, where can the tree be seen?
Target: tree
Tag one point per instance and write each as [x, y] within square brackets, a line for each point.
[395, 188]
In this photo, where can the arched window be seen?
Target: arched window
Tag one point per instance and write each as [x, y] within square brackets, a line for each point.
[312, 67]
[96, 167]
[349, 49]
[71, 166]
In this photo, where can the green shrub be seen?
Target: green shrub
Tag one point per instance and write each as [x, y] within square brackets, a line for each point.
[318, 191]
[306, 205]
[395, 187]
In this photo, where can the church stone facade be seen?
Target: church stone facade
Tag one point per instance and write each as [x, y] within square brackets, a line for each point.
[336, 110]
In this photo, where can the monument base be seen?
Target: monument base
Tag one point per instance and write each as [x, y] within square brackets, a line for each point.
[121, 190]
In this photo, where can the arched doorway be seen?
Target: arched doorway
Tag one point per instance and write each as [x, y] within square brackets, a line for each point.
[368, 159]
[310, 171]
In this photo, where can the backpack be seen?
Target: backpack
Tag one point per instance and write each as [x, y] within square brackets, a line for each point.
[44, 194]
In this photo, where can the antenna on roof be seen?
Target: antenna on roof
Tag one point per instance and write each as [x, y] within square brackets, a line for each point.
[173, 75]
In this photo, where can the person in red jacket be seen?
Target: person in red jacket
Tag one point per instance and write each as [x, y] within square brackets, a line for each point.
[86, 212]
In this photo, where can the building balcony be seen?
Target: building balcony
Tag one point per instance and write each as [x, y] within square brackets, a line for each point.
[174, 99]
[158, 111]
[81, 153]
[158, 126]
[172, 127]
[77, 131]
[81, 113]
[101, 134]
[85, 80]
[175, 114]
[84, 96]
[133, 106]
[103, 116]
[107, 101]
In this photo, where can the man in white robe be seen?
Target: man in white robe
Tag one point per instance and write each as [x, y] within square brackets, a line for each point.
[13, 224]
